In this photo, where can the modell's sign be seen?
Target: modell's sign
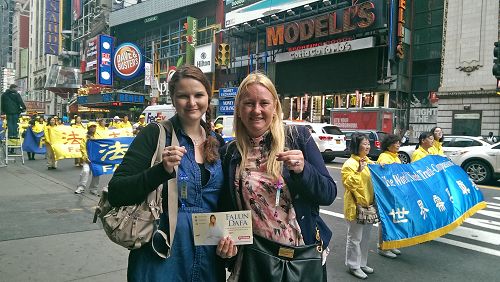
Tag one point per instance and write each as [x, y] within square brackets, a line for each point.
[362, 17]
[128, 61]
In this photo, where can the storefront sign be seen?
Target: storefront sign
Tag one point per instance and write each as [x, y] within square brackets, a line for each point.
[111, 97]
[90, 54]
[128, 61]
[349, 20]
[204, 58]
[240, 11]
[401, 29]
[148, 73]
[229, 92]
[151, 19]
[329, 49]
[52, 28]
[104, 54]
[226, 107]
[423, 115]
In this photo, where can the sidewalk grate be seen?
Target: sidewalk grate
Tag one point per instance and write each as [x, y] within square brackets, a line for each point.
[52, 211]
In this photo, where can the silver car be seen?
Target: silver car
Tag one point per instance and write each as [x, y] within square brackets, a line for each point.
[482, 164]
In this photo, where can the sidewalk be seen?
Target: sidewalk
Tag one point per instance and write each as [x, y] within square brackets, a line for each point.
[47, 233]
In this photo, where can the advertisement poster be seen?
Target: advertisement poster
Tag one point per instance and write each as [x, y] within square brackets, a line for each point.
[210, 228]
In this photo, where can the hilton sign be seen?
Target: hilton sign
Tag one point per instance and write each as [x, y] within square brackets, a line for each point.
[356, 18]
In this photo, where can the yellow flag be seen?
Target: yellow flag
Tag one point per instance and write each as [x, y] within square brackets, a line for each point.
[65, 141]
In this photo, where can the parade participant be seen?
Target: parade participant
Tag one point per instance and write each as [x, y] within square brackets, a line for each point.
[115, 123]
[437, 145]
[141, 122]
[58, 120]
[51, 158]
[358, 196]
[39, 125]
[218, 133]
[199, 168]
[126, 123]
[423, 148]
[276, 172]
[77, 123]
[390, 148]
[32, 123]
[12, 106]
[85, 173]
[101, 130]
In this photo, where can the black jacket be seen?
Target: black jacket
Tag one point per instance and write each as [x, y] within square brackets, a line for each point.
[12, 103]
[310, 189]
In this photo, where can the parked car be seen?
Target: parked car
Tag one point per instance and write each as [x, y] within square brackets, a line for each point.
[482, 163]
[450, 144]
[374, 136]
[329, 138]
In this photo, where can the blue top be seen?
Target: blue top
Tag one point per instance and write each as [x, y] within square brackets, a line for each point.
[187, 262]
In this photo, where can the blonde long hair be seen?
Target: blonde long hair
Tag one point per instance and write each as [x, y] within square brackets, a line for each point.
[274, 167]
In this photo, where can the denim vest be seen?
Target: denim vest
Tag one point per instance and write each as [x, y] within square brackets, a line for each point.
[187, 262]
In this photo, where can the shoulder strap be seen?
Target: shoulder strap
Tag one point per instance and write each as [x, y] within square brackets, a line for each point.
[231, 146]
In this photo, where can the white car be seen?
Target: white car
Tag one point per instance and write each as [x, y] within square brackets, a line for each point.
[329, 139]
[482, 164]
[450, 144]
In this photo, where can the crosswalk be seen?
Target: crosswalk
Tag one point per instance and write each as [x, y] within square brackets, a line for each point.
[480, 233]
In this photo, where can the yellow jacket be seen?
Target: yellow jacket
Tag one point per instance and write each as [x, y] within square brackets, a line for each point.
[38, 127]
[101, 131]
[358, 186]
[437, 148]
[388, 158]
[46, 133]
[420, 153]
[79, 126]
[125, 124]
[115, 124]
[83, 148]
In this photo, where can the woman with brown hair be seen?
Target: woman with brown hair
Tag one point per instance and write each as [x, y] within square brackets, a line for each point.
[199, 179]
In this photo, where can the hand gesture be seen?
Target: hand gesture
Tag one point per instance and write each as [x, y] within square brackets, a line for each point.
[362, 164]
[171, 157]
[226, 248]
[293, 160]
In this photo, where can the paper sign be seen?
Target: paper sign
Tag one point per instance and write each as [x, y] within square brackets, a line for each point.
[210, 228]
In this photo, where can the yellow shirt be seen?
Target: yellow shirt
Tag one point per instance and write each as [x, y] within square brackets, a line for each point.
[79, 126]
[46, 132]
[38, 127]
[420, 153]
[437, 148]
[125, 124]
[115, 124]
[358, 186]
[388, 158]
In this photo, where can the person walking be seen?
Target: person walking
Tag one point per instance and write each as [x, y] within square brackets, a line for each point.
[424, 146]
[358, 196]
[51, 158]
[126, 123]
[141, 122]
[115, 123]
[390, 147]
[77, 123]
[437, 145]
[279, 175]
[12, 107]
[199, 169]
[85, 173]
[32, 123]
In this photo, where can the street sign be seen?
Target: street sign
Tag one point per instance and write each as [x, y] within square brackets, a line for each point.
[229, 92]
[226, 107]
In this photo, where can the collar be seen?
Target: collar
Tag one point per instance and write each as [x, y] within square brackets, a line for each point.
[394, 155]
[357, 158]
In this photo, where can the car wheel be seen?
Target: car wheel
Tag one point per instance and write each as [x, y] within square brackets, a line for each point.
[328, 159]
[478, 171]
[405, 159]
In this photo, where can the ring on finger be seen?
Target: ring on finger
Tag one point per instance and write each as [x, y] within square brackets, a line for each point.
[296, 163]
[168, 153]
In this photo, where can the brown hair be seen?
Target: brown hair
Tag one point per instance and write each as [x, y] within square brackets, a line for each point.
[211, 146]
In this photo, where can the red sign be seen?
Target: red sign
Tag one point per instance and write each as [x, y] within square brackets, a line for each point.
[355, 120]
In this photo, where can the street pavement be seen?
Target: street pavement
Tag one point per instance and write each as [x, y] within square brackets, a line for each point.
[47, 235]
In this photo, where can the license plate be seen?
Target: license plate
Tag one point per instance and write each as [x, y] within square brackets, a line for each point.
[338, 141]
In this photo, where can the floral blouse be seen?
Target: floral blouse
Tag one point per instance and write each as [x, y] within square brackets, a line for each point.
[274, 222]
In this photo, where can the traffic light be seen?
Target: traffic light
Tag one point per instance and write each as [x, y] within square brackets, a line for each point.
[496, 61]
[223, 54]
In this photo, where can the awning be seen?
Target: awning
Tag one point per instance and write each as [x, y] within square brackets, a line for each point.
[63, 80]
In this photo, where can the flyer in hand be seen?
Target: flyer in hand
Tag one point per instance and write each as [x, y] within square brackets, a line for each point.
[210, 228]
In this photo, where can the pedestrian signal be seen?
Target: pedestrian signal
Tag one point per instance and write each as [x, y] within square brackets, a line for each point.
[223, 54]
[496, 61]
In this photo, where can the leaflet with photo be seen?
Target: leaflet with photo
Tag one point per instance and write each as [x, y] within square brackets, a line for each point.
[210, 228]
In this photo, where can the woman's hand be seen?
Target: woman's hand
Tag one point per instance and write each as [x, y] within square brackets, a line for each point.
[293, 160]
[226, 248]
[362, 164]
[171, 157]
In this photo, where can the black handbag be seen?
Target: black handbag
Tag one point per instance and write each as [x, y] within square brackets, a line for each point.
[266, 260]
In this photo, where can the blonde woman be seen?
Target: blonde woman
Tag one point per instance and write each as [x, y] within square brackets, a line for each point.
[277, 173]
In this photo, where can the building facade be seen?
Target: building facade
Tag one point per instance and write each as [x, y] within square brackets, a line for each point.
[468, 103]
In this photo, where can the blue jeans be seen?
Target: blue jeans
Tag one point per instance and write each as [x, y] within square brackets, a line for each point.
[12, 126]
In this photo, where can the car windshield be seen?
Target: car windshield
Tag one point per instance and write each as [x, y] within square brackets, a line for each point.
[332, 130]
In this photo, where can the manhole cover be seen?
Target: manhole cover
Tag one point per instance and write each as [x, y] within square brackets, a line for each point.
[57, 211]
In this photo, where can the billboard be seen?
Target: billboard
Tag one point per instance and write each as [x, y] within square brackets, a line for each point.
[23, 63]
[128, 61]
[104, 63]
[240, 11]
[52, 27]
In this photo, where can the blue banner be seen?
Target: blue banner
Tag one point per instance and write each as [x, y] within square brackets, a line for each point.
[33, 142]
[106, 155]
[421, 201]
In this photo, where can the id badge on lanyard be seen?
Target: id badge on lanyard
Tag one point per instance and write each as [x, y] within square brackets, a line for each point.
[183, 184]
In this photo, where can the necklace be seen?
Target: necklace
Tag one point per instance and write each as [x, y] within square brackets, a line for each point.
[198, 141]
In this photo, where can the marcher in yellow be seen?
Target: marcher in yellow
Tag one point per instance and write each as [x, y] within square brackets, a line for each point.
[85, 173]
[390, 147]
[101, 130]
[358, 192]
[141, 123]
[51, 158]
[126, 123]
[39, 125]
[77, 123]
[437, 145]
[423, 148]
[115, 123]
